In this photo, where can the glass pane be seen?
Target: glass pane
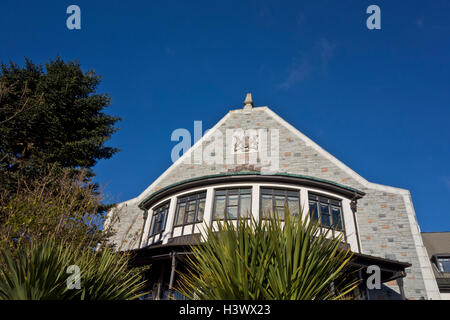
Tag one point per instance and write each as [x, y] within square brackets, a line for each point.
[246, 191]
[201, 210]
[279, 192]
[163, 220]
[155, 225]
[444, 264]
[266, 191]
[337, 219]
[294, 206]
[246, 205]
[335, 202]
[313, 210]
[280, 201]
[232, 212]
[233, 200]
[325, 220]
[190, 216]
[180, 216]
[192, 205]
[312, 197]
[292, 194]
[219, 207]
[164, 217]
[266, 205]
[323, 199]
[280, 212]
[324, 209]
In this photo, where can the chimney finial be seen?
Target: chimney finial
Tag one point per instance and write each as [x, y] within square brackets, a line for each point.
[248, 102]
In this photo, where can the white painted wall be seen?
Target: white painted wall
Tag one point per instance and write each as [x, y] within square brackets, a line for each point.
[445, 295]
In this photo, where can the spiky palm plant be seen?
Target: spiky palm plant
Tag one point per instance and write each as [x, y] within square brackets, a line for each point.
[40, 273]
[106, 276]
[35, 274]
[267, 259]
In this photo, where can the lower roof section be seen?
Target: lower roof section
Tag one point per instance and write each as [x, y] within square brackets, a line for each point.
[390, 269]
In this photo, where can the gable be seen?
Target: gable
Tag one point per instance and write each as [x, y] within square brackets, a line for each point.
[297, 154]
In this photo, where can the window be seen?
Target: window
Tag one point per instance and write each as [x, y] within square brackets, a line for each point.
[276, 200]
[328, 211]
[232, 203]
[190, 209]
[444, 264]
[159, 219]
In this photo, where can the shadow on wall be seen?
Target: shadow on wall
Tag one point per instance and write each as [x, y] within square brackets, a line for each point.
[385, 293]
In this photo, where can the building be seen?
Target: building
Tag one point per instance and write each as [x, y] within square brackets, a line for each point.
[438, 247]
[251, 161]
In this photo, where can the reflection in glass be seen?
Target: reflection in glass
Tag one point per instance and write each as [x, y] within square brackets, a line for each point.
[220, 207]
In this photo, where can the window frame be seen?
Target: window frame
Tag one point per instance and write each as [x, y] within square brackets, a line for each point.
[199, 196]
[227, 194]
[330, 200]
[273, 188]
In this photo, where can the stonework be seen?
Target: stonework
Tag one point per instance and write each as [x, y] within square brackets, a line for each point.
[385, 215]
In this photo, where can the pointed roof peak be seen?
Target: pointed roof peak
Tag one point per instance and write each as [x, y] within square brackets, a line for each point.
[248, 102]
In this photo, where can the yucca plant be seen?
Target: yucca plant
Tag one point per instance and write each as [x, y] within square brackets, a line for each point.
[267, 259]
[106, 276]
[35, 274]
[39, 272]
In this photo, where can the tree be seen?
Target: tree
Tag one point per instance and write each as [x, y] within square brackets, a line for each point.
[265, 260]
[58, 205]
[52, 132]
[51, 116]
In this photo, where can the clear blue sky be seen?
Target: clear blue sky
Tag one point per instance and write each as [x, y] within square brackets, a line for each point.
[378, 100]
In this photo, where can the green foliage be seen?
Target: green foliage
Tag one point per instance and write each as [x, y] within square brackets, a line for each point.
[106, 277]
[35, 275]
[53, 130]
[51, 117]
[59, 205]
[267, 259]
[40, 273]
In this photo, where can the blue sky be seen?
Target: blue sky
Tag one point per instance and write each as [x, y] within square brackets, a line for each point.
[378, 100]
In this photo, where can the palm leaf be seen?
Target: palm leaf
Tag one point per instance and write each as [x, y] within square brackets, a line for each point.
[267, 259]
